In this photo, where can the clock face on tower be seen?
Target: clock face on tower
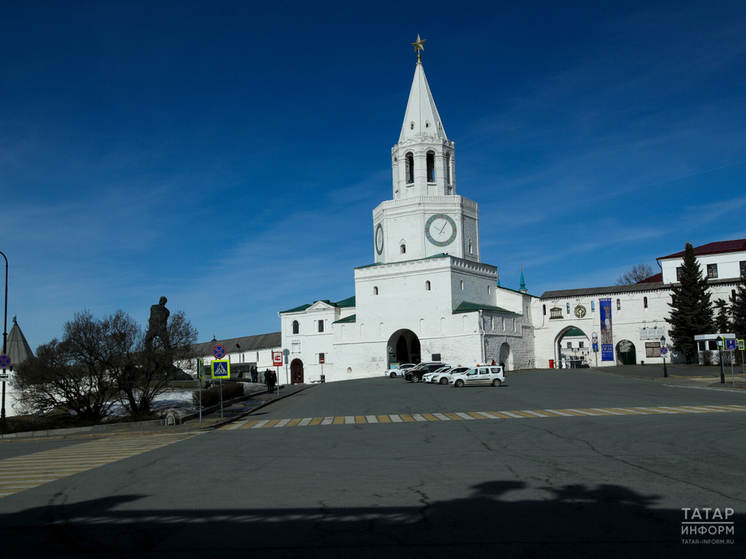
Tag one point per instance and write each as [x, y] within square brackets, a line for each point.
[379, 239]
[440, 230]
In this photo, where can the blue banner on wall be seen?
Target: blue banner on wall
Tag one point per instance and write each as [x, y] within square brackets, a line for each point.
[607, 337]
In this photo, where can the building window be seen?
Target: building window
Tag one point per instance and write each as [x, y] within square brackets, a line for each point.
[375, 290]
[410, 168]
[321, 325]
[581, 344]
[743, 267]
[593, 306]
[569, 345]
[544, 308]
[618, 305]
[471, 247]
[645, 302]
[430, 166]
[296, 327]
[427, 286]
[712, 271]
[462, 285]
[321, 358]
[678, 273]
[448, 170]
[489, 290]
[568, 308]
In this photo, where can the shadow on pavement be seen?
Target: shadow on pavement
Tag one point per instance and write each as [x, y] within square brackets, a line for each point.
[572, 521]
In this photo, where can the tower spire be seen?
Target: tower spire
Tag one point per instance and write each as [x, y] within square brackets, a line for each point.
[523, 281]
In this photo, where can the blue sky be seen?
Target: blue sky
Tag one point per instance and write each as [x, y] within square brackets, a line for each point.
[228, 155]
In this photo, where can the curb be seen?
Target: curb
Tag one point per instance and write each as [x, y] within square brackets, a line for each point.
[128, 428]
[228, 420]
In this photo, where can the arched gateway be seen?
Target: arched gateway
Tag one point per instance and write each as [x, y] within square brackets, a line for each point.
[403, 347]
[296, 371]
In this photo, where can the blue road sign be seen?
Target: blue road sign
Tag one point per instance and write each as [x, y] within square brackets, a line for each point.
[664, 350]
[219, 351]
[731, 344]
[221, 369]
[4, 361]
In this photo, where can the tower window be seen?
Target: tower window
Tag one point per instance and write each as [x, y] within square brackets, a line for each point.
[296, 327]
[448, 168]
[471, 247]
[410, 168]
[430, 166]
[645, 302]
[427, 285]
[411, 125]
[593, 306]
[618, 305]
[375, 290]
[403, 249]
[568, 308]
[462, 284]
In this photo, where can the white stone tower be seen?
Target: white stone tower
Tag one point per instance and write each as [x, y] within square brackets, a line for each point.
[425, 216]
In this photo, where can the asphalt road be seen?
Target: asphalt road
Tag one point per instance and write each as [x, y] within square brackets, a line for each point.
[567, 464]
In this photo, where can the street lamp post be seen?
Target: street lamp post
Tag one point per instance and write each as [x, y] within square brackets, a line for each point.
[663, 354]
[5, 332]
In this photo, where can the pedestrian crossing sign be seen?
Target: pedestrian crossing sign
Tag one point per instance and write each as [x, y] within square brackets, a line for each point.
[221, 368]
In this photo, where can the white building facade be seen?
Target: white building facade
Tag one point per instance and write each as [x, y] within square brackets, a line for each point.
[426, 296]
[637, 312]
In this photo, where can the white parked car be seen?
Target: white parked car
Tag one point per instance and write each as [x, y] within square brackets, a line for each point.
[444, 377]
[398, 370]
[428, 377]
[487, 375]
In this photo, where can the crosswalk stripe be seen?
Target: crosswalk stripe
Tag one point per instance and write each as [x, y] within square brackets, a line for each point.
[471, 416]
[31, 470]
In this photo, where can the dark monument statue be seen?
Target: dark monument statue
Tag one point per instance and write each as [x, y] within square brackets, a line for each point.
[157, 325]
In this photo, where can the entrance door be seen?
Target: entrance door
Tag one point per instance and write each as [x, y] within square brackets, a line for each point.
[296, 371]
[626, 352]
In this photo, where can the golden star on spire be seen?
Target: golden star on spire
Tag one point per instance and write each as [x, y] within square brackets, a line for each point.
[418, 46]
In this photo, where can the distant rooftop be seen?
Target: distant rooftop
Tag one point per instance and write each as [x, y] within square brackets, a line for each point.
[713, 248]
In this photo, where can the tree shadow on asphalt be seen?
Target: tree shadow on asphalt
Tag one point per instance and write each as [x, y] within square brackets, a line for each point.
[572, 521]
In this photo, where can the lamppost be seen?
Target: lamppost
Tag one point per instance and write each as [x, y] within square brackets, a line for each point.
[664, 350]
[5, 331]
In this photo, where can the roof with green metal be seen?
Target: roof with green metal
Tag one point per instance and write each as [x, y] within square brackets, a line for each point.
[343, 304]
[472, 307]
[351, 318]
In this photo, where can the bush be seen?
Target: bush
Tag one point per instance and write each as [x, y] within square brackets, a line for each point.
[211, 396]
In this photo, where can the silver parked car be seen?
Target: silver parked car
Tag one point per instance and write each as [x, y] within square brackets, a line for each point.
[487, 375]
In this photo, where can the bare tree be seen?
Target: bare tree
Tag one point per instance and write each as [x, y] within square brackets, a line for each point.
[101, 361]
[638, 273]
[146, 372]
[70, 373]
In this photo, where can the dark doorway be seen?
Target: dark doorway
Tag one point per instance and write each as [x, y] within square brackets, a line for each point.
[296, 371]
[403, 347]
[626, 352]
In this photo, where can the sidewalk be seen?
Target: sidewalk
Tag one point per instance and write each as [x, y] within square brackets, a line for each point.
[704, 373]
[238, 408]
[211, 418]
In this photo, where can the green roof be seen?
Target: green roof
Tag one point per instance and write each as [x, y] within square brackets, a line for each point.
[344, 303]
[472, 307]
[351, 318]
[575, 332]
